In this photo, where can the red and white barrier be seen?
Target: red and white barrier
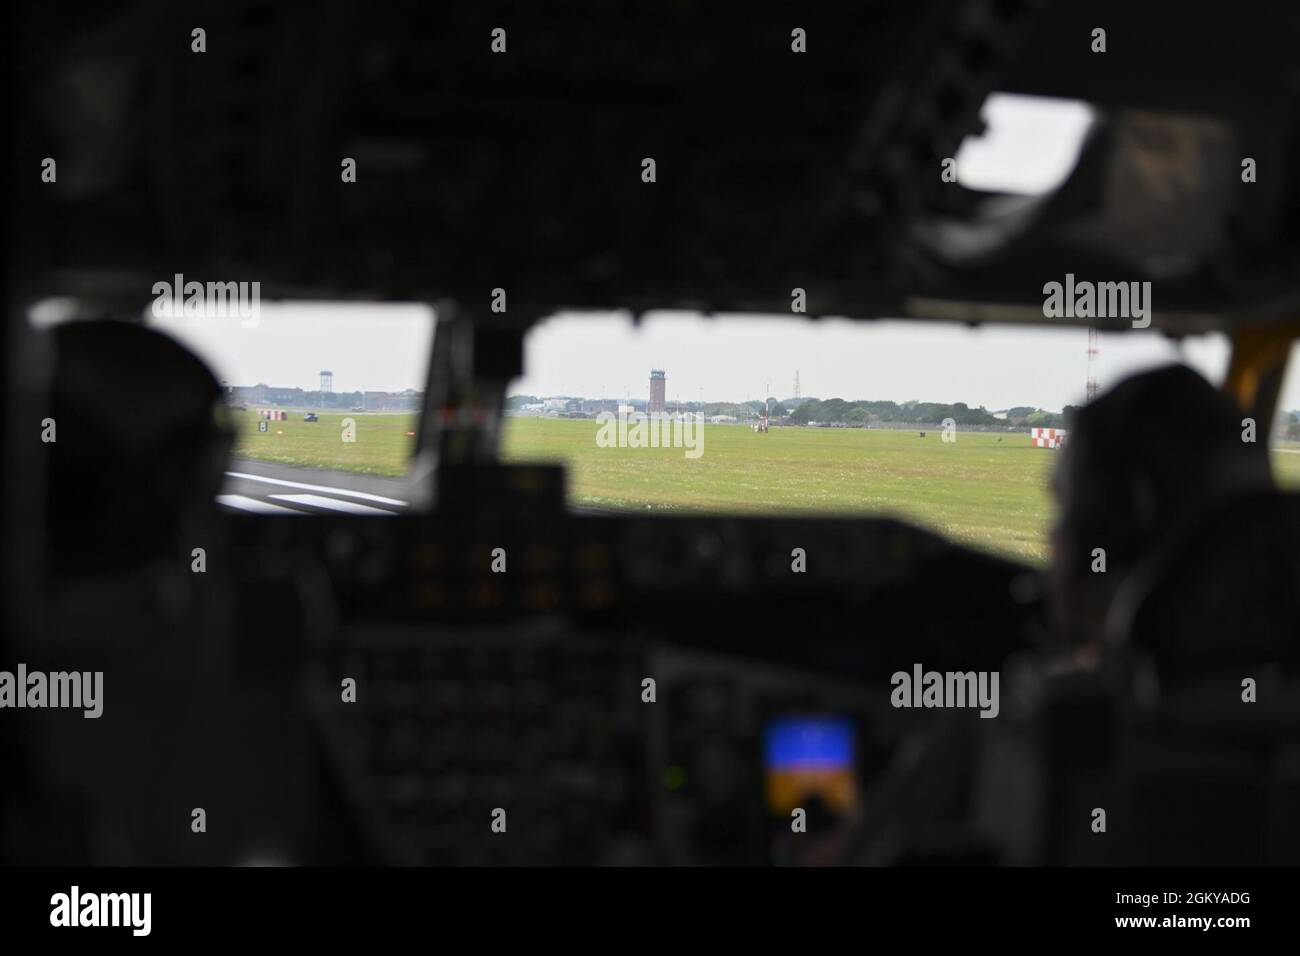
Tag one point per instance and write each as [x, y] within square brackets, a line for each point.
[273, 414]
[1047, 437]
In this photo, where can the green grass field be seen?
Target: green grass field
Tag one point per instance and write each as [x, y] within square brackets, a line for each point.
[382, 446]
[978, 490]
[1286, 464]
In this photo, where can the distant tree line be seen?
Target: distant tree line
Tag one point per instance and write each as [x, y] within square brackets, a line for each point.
[1291, 426]
[839, 411]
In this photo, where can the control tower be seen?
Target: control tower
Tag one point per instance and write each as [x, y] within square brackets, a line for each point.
[658, 388]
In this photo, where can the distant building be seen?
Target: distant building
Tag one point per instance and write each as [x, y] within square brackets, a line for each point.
[247, 394]
[594, 406]
[658, 389]
[408, 400]
[284, 396]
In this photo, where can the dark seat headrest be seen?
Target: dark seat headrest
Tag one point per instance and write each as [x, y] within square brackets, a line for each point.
[1224, 591]
[141, 442]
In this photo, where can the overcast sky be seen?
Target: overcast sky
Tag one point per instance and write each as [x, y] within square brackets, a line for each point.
[730, 358]
[735, 358]
[368, 346]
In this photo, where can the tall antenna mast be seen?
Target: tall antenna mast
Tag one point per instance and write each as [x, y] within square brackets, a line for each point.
[1093, 349]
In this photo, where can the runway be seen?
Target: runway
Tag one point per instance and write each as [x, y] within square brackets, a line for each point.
[270, 488]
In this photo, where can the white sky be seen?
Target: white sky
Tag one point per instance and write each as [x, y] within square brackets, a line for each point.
[368, 346]
[733, 358]
[1029, 146]
[728, 358]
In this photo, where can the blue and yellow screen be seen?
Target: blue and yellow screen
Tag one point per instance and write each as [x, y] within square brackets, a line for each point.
[809, 756]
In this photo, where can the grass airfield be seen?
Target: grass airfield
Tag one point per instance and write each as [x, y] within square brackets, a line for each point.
[987, 490]
[978, 490]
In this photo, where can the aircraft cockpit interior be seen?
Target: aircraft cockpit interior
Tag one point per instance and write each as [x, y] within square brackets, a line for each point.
[652, 434]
